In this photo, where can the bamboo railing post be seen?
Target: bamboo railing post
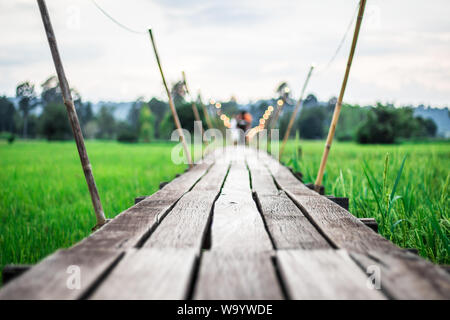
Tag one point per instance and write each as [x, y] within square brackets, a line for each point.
[73, 118]
[294, 113]
[171, 104]
[337, 108]
[274, 121]
[194, 107]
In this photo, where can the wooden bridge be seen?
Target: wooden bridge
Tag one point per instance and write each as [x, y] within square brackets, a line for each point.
[238, 225]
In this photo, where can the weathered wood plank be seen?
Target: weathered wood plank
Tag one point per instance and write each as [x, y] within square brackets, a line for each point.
[284, 177]
[323, 274]
[127, 228]
[186, 224]
[237, 223]
[407, 276]
[237, 275]
[149, 274]
[288, 227]
[340, 226]
[56, 276]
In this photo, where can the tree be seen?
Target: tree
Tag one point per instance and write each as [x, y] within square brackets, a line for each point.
[310, 101]
[106, 123]
[27, 101]
[186, 116]
[386, 124]
[7, 115]
[146, 124]
[283, 91]
[54, 122]
[51, 92]
[178, 93]
[312, 121]
[133, 115]
[159, 109]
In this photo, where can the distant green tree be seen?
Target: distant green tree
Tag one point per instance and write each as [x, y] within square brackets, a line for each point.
[178, 93]
[146, 124]
[310, 101]
[386, 124]
[126, 133]
[54, 124]
[283, 91]
[106, 123]
[350, 117]
[7, 115]
[133, 115]
[311, 123]
[166, 127]
[159, 109]
[27, 101]
[186, 116]
[429, 125]
[51, 92]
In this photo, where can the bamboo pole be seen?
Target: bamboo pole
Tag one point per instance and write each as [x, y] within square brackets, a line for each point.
[294, 113]
[172, 106]
[337, 108]
[73, 118]
[194, 107]
[274, 121]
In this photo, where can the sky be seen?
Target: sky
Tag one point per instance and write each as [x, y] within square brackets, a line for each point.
[238, 48]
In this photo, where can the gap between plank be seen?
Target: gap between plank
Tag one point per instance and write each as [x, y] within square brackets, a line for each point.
[305, 213]
[206, 243]
[159, 219]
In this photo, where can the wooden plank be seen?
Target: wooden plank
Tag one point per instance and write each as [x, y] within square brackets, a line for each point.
[49, 279]
[288, 227]
[323, 274]
[127, 228]
[149, 274]
[284, 177]
[341, 228]
[262, 180]
[236, 222]
[123, 232]
[237, 275]
[186, 224]
[407, 276]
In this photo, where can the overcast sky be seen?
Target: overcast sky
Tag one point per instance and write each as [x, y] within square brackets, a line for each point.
[238, 48]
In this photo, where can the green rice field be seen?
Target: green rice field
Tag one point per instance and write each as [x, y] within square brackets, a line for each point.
[45, 204]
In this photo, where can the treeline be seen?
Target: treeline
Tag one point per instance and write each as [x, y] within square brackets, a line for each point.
[382, 123]
[146, 120]
[150, 120]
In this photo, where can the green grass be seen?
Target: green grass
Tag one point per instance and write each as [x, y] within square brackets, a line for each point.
[44, 200]
[404, 187]
[45, 204]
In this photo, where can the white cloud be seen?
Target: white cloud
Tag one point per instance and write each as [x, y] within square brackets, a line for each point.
[235, 47]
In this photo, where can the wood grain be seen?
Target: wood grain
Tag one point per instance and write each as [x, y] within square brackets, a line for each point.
[149, 274]
[236, 222]
[126, 230]
[407, 276]
[288, 227]
[323, 274]
[48, 279]
[186, 224]
[341, 228]
[237, 275]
